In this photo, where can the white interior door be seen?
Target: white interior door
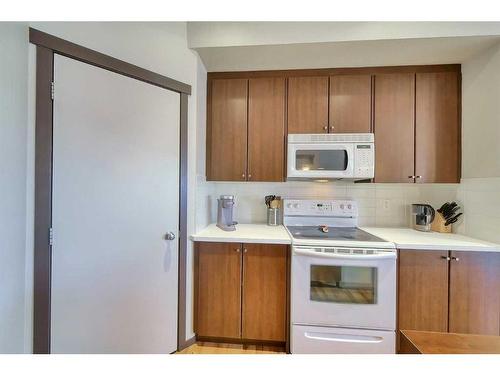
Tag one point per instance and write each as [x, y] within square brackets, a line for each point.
[115, 196]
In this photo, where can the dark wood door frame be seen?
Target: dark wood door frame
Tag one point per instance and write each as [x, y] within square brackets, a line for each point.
[46, 46]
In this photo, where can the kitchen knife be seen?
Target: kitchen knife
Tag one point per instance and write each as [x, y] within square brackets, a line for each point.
[453, 219]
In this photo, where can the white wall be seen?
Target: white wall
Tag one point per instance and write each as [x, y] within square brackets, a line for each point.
[160, 47]
[224, 34]
[480, 188]
[481, 115]
[13, 120]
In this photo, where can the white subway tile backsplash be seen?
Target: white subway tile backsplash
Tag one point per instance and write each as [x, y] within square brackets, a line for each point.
[379, 204]
[390, 201]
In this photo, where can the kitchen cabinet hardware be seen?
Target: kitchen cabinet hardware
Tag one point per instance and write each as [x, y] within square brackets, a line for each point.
[455, 258]
[243, 175]
[445, 257]
[249, 176]
[245, 250]
[237, 250]
[412, 176]
[325, 127]
[418, 176]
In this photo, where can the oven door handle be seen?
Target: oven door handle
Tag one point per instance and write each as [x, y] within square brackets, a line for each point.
[385, 255]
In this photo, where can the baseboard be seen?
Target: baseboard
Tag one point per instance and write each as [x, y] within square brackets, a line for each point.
[240, 341]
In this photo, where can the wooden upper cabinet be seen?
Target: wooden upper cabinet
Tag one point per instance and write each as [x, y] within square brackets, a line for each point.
[307, 105]
[264, 292]
[437, 127]
[394, 127]
[227, 130]
[266, 129]
[475, 293]
[218, 291]
[423, 290]
[350, 103]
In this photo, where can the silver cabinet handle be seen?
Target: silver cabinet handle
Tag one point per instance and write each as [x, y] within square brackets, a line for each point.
[412, 176]
[444, 257]
[170, 236]
[455, 258]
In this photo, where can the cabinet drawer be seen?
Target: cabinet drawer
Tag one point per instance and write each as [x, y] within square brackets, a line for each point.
[332, 340]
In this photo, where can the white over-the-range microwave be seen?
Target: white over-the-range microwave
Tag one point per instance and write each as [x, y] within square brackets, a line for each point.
[331, 156]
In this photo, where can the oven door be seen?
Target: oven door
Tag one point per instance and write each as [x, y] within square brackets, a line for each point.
[320, 160]
[344, 287]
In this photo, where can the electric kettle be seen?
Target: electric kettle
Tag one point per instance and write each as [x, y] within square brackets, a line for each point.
[422, 217]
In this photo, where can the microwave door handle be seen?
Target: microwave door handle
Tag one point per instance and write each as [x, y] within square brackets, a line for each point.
[388, 255]
[344, 338]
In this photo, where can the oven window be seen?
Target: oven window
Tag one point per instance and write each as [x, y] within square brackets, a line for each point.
[321, 160]
[344, 284]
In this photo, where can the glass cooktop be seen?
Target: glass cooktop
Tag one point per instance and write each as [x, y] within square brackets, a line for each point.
[332, 233]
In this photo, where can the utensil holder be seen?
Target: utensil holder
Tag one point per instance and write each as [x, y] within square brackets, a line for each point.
[437, 224]
[273, 216]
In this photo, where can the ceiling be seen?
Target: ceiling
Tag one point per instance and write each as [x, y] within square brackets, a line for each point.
[421, 51]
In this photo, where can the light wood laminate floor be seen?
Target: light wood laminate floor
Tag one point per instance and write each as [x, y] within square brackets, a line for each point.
[223, 348]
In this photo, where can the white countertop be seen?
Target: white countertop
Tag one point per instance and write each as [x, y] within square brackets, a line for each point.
[248, 233]
[407, 238]
[403, 238]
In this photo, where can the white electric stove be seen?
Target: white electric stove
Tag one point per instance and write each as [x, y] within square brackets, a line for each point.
[343, 287]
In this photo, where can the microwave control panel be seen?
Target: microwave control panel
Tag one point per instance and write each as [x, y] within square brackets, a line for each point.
[306, 207]
[364, 160]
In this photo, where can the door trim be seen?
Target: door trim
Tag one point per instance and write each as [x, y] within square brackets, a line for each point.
[46, 46]
[89, 56]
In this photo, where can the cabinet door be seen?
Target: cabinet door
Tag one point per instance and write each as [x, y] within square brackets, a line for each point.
[307, 105]
[423, 290]
[394, 127]
[266, 129]
[264, 292]
[437, 127]
[475, 293]
[218, 309]
[350, 103]
[227, 130]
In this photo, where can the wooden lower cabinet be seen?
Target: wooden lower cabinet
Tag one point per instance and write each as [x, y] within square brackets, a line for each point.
[218, 289]
[264, 292]
[449, 291]
[423, 290]
[475, 293]
[241, 291]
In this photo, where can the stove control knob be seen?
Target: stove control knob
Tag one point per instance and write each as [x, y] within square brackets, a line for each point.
[349, 206]
[296, 205]
[289, 205]
[341, 206]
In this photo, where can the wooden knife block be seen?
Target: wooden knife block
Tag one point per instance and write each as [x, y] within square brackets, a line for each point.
[437, 224]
